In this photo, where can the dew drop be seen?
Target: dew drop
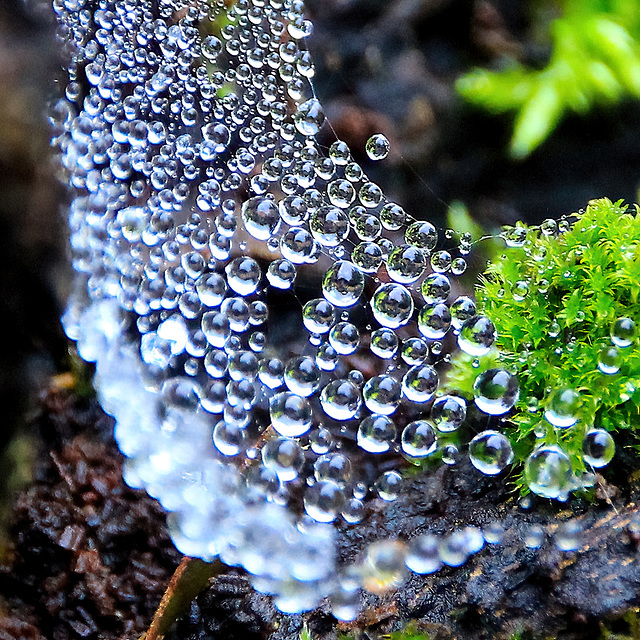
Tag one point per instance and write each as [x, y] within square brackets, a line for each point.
[392, 305]
[423, 555]
[323, 501]
[376, 433]
[477, 335]
[377, 147]
[623, 332]
[563, 408]
[496, 391]
[548, 473]
[490, 452]
[419, 439]
[598, 448]
[448, 413]
[290, 414]
[343, 284]
[340, 400]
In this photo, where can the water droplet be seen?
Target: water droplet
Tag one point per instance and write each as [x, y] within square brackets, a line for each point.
[261, 217]
[302, 376]
[434, 321]
[290, 414]
[340, 400]
[548, 473]
[382, 394]
[448, 413]
[415, 351]
[392, 305]
[515, 236]
[384, 343]
[609, 360]
[450, 454]
[211, 288]
[309, 117]
[281, 274]
[423, 555]
[419, 439]
[496, 391]
[563, 408]
[335, 467]
[329, 226]
[598, 448]
[388, 485]
[229, 439]
[567, 537]
[283, 456]
[377, 147]
[354, 511]
[343, 284]
[321, 440]
[376, 433]
[318, 315]
[406, 264]
[494, 533]
[326, 357]
[477, 335]
[420, 383]
[323, 501]
[435, 288]
[490, 452]
[623, 332]
[243, 275]
[367, 256]
[344, 337]
[534, 537]
[422, 235]
[384, 566]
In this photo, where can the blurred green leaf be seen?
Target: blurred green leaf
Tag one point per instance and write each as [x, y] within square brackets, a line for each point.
[595, 58]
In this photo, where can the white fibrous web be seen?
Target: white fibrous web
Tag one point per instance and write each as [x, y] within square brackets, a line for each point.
[266, 325]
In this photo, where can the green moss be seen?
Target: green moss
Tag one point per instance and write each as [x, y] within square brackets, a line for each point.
[410, 632]
[595, 58]
[554, 296]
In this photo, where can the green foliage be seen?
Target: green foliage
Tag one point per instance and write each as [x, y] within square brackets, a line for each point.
[305, 634]
[595, 58]
[553, 299]
[410, 632]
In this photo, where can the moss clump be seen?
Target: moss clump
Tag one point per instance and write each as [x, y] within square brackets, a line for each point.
[555, 296]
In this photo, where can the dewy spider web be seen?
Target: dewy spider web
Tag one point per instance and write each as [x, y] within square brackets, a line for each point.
[201, 201]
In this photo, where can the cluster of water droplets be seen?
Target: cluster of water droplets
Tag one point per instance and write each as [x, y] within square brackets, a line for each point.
[201, 198]
[549, 470]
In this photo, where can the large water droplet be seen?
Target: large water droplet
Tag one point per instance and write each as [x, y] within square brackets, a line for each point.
[477, 335]
[261, 217]
[496, 391]
[420, 383]
[324, 500]
[343, 284]
[290, 414]
[376, 433]
[448, 413]
[598, 448]
[377, 147]
[419, 439]
[340, 400]
[392, 305]
[309, 117]
[623, 332]
[563, 408]
[490, 452]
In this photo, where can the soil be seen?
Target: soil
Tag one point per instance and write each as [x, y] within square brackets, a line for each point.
[86, 557]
